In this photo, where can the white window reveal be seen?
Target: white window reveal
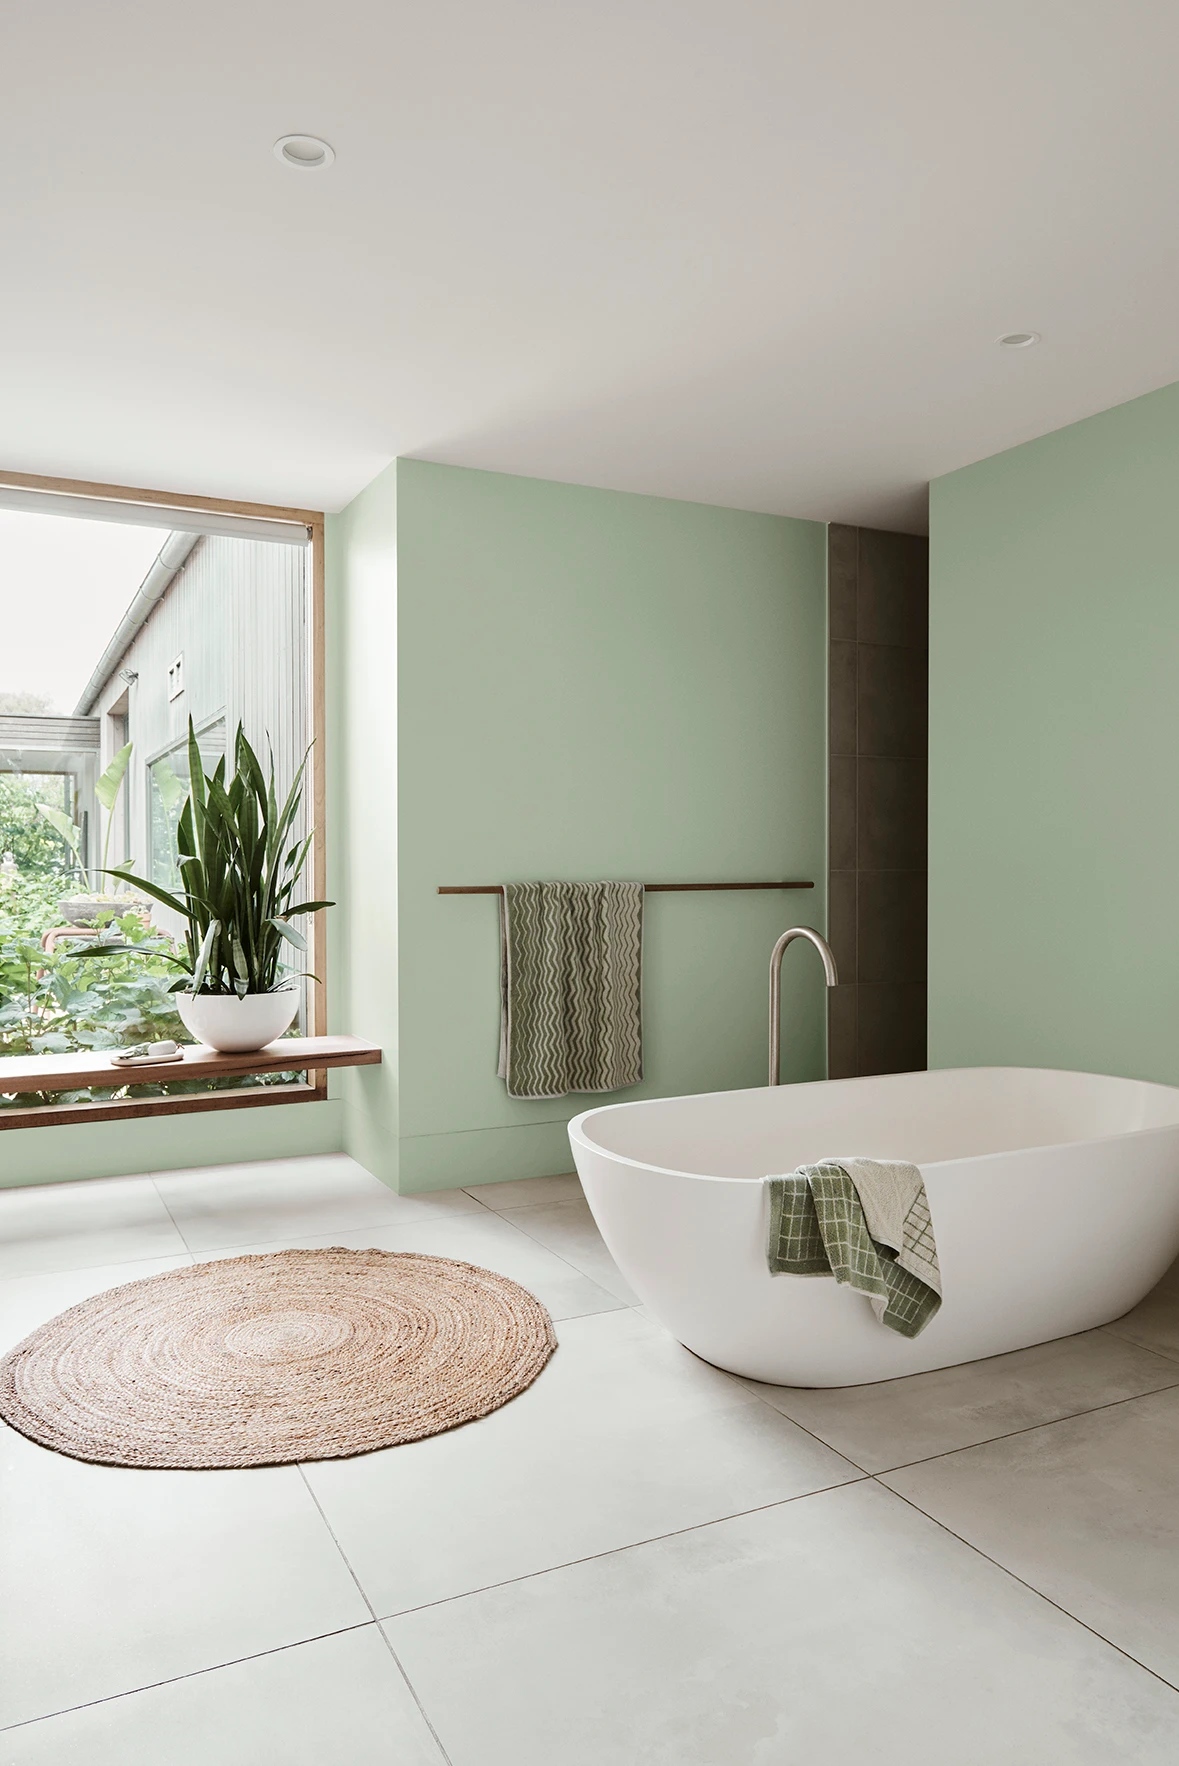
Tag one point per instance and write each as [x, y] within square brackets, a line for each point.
[176, 677]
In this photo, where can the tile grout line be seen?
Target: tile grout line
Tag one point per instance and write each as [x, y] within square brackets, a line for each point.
[573, 1266]
[1031, 1588]
[151, 1178]
[577, 1270]
[593, 1557]
[281, 1241]
[34, 1275]
[410, 1687]
[549, 1201]
[332, 1535]
[193, 1674]
[1070, 1416]
[529, 1207]
[881, 1471]
[616, 1550]
[1167, 1354]
[617, 1303]
[738, 1380]
[413, 1692]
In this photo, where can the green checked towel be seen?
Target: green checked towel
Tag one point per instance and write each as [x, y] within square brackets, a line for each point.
[571, 988]
[867, 1223]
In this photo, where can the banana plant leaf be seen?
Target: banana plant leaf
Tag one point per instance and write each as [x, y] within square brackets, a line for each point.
[106, 786]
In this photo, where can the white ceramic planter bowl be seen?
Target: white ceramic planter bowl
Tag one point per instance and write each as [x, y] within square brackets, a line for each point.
[238, 1026]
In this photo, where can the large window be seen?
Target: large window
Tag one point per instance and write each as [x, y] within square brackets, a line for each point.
[124, 624]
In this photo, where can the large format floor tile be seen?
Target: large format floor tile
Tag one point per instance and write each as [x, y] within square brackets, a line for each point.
[74, 1225]
[568, 1228]
[897, 1421]
[527, 1192]
[1087, 1511]
[341, 1699]
[838, 1629]
[561, 1577]
[623, 1436]
[113, 1579]
[31, 1300]
[224, 1205]
[481, 1238]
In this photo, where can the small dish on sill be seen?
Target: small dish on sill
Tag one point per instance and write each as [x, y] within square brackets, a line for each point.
[148, 1054]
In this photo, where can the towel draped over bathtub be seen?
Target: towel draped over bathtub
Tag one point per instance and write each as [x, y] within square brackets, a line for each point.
[867, 1223]
[571, 972]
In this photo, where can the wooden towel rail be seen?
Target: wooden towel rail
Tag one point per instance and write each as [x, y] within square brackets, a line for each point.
[651, 888]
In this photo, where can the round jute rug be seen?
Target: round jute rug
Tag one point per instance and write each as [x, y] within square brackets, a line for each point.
[252, 1361]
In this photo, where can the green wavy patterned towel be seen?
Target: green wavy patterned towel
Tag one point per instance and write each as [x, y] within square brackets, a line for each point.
[818, 1226]
[571, 988]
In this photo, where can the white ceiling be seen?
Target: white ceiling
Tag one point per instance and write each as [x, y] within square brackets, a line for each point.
[751, 252]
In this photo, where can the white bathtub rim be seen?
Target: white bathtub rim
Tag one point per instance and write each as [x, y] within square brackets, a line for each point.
[581, 1139]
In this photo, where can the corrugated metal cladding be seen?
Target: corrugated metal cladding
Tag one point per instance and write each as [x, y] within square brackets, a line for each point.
[29, 733]
[237, 614]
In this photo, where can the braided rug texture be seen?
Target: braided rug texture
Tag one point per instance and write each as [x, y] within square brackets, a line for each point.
[251, 1361]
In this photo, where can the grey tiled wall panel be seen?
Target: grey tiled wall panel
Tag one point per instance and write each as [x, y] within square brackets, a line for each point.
[878, 611]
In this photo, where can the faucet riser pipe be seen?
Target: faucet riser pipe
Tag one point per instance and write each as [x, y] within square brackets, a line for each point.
[829, 969]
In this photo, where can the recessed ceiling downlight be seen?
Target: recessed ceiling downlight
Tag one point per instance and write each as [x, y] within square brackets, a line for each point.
[1018, 340]
[307, 153]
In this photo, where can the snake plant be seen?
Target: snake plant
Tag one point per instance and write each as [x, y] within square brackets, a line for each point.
[239, 866]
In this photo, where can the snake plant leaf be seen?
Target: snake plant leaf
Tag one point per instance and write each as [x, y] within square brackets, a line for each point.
[196, 770]
[200, 967]
[249, 768]
[290, 933]
[219, 808]
[87, 952]
[152, 889]
[300, 860]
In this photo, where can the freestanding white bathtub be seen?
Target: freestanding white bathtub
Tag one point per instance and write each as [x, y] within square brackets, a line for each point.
[1055, 1202]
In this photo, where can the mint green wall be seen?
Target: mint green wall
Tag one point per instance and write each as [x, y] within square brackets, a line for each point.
[589, 684]
[529, 679]
[361, 608]
[1053, 744]
[164, 1143]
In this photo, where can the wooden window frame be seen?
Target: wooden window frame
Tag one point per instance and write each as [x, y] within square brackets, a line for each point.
[314, 1089]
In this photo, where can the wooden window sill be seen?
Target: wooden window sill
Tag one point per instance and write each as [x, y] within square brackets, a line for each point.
[82, 1071]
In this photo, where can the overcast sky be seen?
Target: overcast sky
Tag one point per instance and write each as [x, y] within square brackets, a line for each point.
[64, 586]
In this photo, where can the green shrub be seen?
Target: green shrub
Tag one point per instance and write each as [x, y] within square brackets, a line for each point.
[35, 846]
[31, 901]
[80, 996]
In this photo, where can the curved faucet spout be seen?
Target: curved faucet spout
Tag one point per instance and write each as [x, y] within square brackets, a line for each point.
[824, 950]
